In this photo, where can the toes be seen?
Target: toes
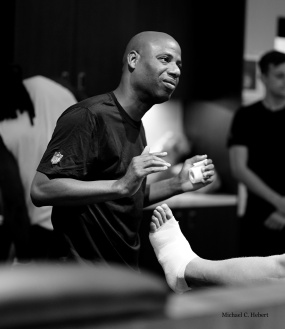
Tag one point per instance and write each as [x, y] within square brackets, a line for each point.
[162, 214]
[167, 211]
[152, 227]
[157, 214]
[154, 224]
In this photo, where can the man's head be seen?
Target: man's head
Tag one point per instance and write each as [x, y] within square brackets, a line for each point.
[152, 66]
[272, 68]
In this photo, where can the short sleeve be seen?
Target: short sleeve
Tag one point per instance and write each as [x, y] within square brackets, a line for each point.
[73, 147]
[239, 133]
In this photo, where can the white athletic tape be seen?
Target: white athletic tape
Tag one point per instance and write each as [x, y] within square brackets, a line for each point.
[173, 252]
[195, 173]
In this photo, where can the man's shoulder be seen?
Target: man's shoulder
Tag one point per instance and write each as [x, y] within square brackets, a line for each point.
[250, 109]
[253, 106]
[97, 103]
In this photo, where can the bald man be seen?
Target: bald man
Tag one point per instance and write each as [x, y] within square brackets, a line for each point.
[94, 170]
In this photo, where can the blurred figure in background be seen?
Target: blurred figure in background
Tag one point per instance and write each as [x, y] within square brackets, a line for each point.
[26, 128]
[15, 222]
[14, 219]
[256, 139]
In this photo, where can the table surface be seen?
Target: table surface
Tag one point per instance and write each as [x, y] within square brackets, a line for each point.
[192, 199]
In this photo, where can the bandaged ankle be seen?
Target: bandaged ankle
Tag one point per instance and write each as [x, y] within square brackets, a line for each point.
[173, 253]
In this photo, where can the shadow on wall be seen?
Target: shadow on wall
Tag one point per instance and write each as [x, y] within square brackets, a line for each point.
[207, 124]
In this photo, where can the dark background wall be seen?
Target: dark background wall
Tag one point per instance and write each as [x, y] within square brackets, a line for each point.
[84, 40]
[89, 36]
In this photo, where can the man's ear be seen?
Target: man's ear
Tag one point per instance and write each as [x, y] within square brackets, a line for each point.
[133, 58]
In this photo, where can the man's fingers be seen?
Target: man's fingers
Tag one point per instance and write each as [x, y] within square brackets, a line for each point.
[149, 166]
[149, 158]
[208, 167]
[159, 154]
[208, 173]
[156, 163]
[146, 151]
[196, 158]
[151, 170]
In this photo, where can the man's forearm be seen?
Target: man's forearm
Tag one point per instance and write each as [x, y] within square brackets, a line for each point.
[256, 185]
[71, 192]
[162, 190]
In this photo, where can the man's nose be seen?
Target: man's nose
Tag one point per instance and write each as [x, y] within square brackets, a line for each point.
[174, 70]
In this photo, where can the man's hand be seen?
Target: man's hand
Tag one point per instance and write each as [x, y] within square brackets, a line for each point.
[141, 166]
[207, 171]
[276, 221]
[280, 204]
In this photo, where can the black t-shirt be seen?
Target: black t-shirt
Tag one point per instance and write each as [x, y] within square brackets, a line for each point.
[262, 132]
[96, 140]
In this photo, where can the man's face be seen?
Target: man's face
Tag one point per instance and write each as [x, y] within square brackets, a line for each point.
[158, 70]
[274, 80]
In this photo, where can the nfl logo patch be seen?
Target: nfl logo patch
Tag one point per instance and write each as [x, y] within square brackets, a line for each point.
[56, 158]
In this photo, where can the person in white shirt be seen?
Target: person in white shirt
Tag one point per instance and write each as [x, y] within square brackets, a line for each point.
[26, 137]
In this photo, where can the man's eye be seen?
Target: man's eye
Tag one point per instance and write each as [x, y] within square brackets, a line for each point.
[164, 59]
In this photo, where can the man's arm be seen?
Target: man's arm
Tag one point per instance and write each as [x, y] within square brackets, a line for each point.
[72, 192]
[181, 183]
[240, 170]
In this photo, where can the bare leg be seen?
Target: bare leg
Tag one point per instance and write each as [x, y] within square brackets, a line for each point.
[235, 271]
[171, 248]
[184, 269]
